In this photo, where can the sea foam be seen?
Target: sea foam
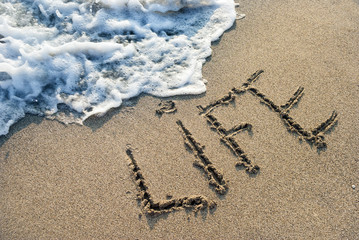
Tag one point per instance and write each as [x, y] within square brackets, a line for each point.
[89, 56]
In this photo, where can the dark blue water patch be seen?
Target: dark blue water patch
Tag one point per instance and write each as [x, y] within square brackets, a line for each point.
[105, 35]
[1, 37]
[4, 76]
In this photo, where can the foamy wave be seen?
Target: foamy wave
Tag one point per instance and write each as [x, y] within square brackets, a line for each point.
[91, 55]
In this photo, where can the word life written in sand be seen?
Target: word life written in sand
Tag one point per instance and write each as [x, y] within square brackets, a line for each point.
[214, 177]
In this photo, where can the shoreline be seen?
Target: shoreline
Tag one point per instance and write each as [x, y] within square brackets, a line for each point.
[74, 182]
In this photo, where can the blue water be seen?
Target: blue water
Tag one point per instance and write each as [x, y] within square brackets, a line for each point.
[87, 57]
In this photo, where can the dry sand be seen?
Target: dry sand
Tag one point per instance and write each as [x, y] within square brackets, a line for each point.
[74, 182]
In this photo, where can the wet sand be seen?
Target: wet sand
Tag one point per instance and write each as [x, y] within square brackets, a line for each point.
[80, 182]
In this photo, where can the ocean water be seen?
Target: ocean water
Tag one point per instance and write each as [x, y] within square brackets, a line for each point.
[84, 57]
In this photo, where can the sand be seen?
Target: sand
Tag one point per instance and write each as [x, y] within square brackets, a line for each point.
[77, 182]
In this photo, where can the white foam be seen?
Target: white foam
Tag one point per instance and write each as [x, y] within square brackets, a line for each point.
[92, 55]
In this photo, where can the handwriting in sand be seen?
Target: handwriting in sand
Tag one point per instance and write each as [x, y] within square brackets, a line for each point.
[215, 178]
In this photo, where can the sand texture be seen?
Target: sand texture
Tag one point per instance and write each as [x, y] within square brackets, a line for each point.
[270, 151]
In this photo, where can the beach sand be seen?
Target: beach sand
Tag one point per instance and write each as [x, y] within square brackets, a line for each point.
[75, 182]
